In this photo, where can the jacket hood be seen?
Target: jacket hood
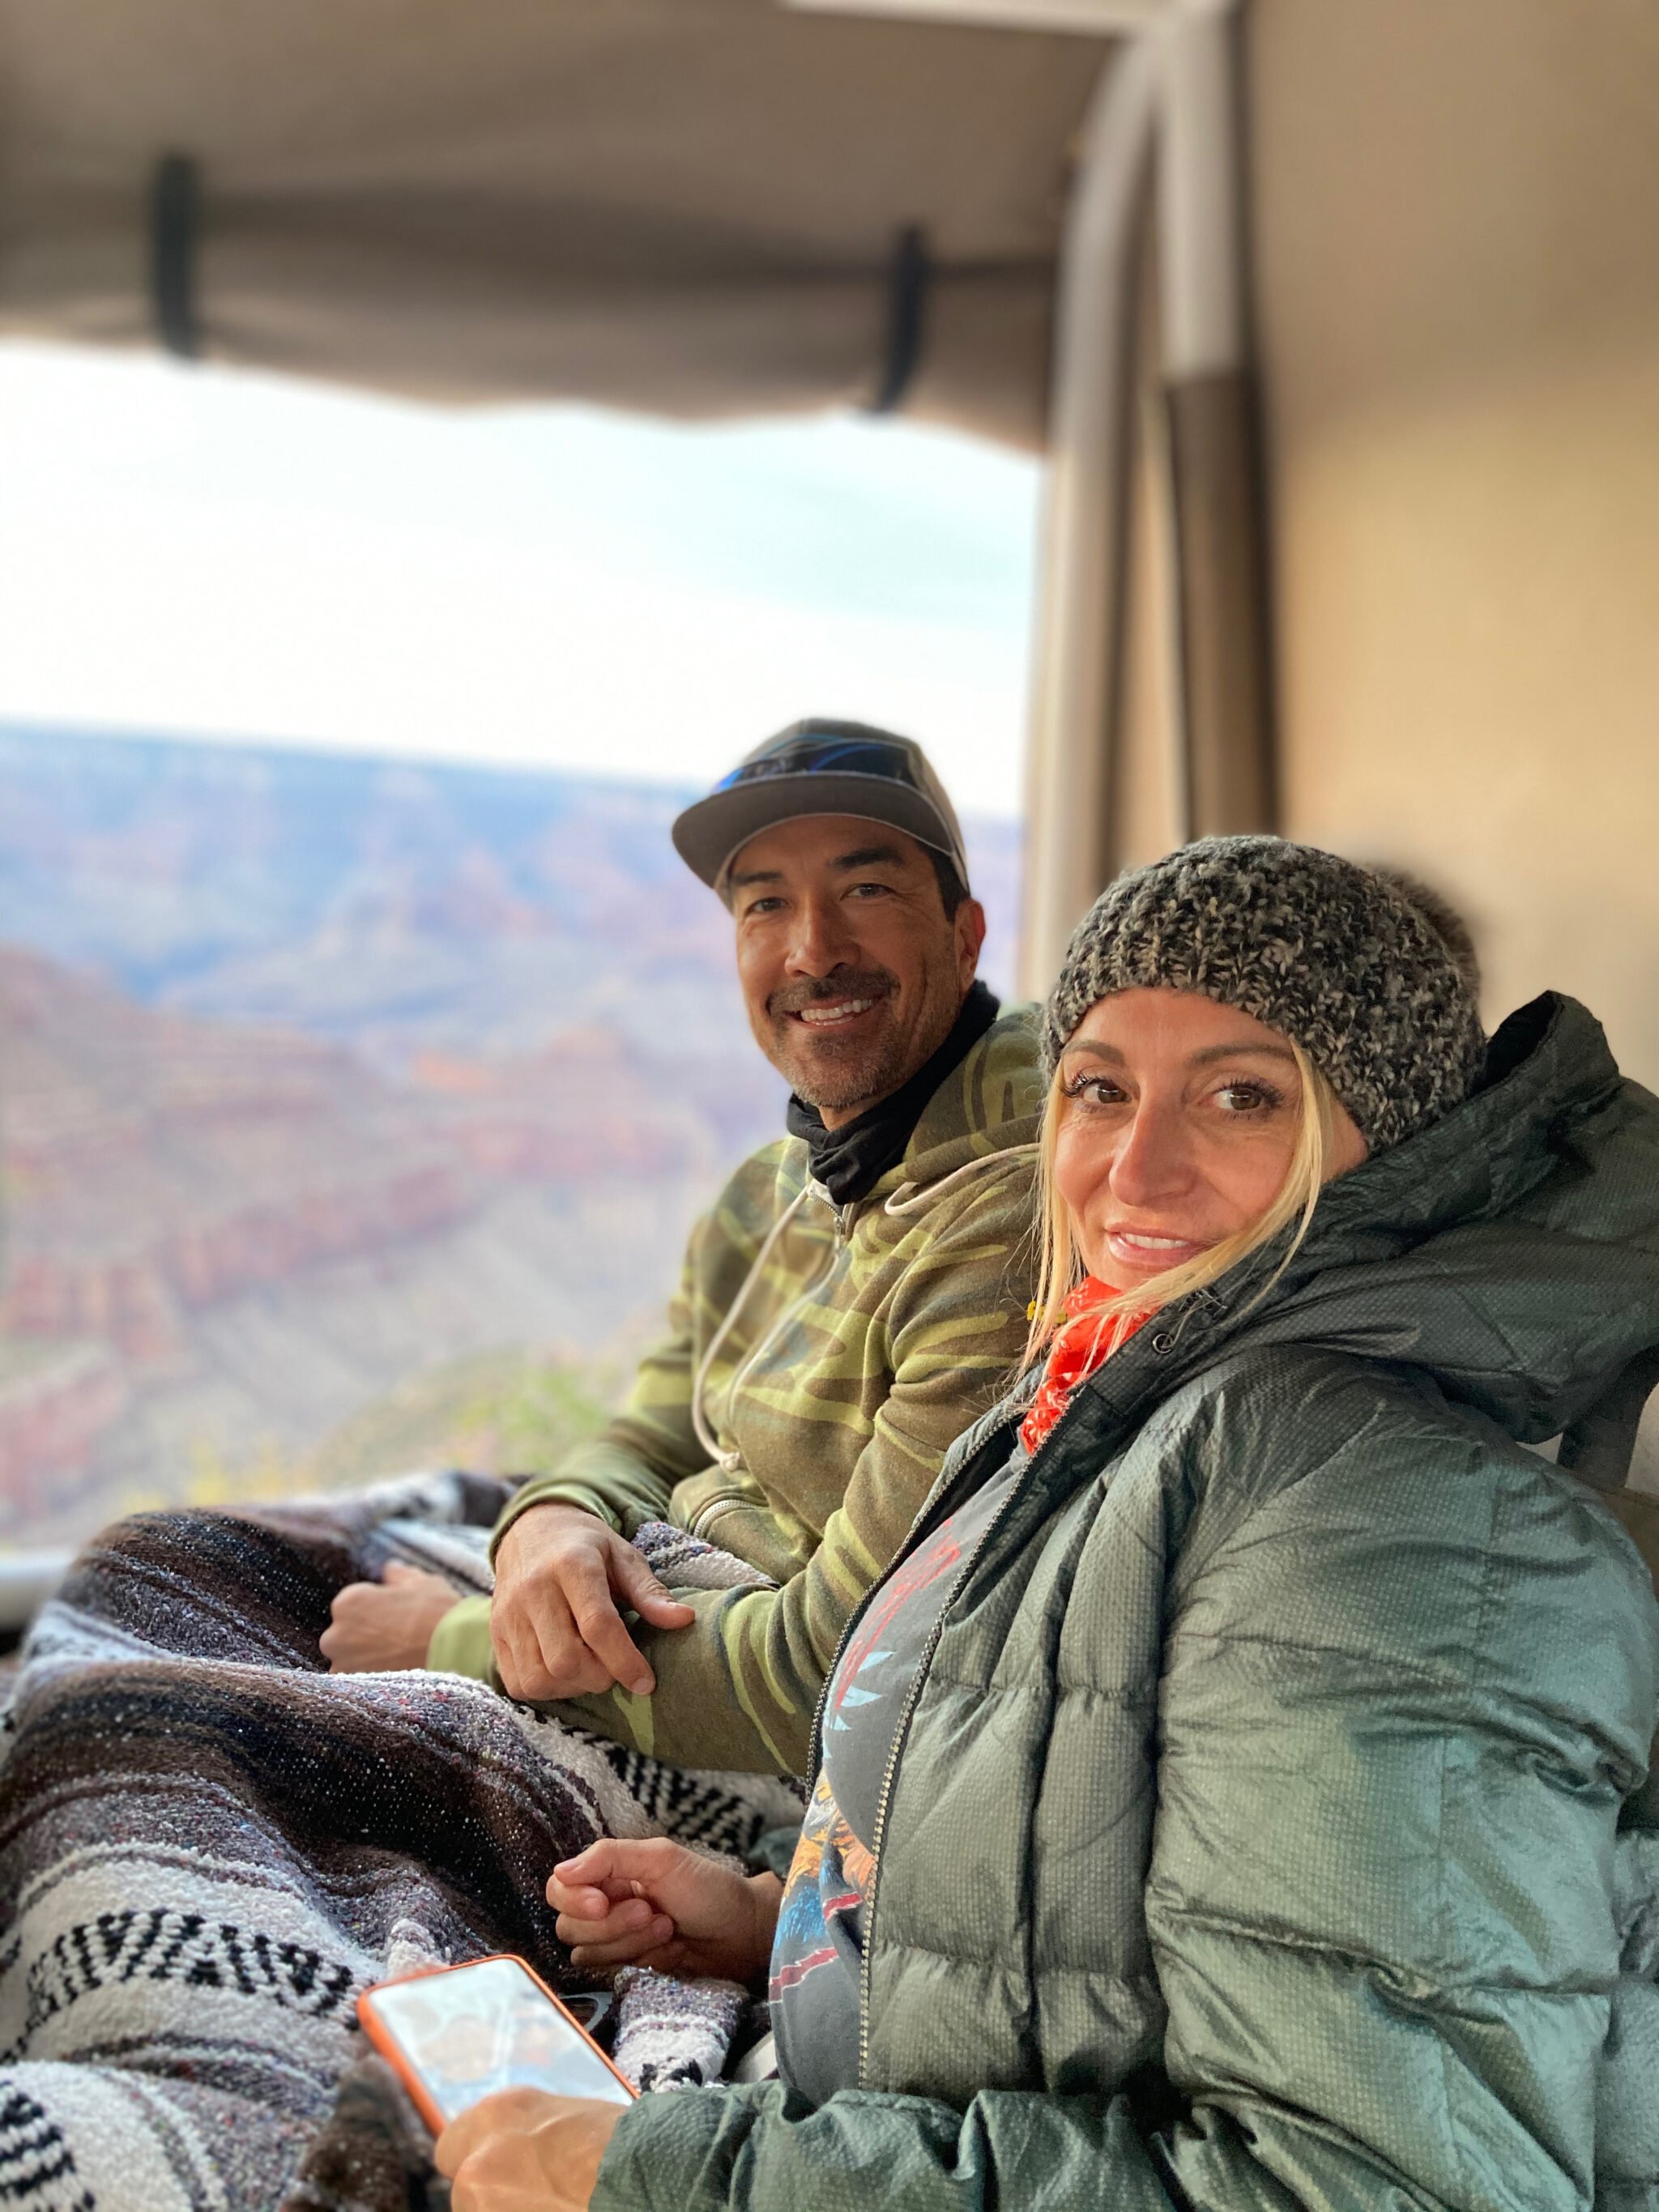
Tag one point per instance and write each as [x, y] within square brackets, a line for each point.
[1512, 1249]
[991, 1103]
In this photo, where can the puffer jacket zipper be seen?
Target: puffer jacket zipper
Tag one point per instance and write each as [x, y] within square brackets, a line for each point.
[925, 1523]
[946, 1489]
[876, 1837]
[919, 1528]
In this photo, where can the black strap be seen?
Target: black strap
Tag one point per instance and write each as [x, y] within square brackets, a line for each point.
[907, 302]
[175, 229]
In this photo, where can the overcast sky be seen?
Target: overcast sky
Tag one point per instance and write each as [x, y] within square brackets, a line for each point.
[218, 554]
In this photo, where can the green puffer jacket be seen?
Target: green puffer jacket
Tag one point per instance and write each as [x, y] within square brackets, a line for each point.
[823, 1362]
[1266, 1826]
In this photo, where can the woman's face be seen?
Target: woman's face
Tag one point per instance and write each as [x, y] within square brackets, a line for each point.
[1179, 1122]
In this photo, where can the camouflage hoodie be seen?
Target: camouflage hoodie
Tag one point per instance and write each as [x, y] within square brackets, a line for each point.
[818, 1364]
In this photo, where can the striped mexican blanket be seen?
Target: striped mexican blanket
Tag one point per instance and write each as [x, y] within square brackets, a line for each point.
[209, 1845]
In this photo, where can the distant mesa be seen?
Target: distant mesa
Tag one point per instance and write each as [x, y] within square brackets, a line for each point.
[157, 1166]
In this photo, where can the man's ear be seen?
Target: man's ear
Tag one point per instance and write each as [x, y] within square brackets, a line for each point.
[968, 923]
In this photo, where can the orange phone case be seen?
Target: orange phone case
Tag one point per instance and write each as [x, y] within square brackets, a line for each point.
[385, 2043]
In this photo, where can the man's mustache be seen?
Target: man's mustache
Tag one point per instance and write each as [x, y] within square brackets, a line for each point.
[827, 990]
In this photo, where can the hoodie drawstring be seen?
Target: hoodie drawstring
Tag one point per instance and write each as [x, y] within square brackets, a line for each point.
[727, 1461]
[909, 1195]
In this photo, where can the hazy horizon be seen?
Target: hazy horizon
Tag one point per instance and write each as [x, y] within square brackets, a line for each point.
[365, 755]
[217, 554]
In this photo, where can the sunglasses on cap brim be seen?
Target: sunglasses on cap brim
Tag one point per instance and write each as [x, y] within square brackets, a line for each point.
[828, 756]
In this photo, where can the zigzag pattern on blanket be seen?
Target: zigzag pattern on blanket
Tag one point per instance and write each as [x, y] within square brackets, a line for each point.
[209, 1845]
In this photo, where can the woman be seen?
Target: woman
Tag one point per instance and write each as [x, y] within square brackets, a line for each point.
[1219, 1800]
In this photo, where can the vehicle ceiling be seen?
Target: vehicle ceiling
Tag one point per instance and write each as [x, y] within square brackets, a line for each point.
[689, 206]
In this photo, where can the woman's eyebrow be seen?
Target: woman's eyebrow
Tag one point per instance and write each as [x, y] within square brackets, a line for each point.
[1212, 1053]
[1205, 1056]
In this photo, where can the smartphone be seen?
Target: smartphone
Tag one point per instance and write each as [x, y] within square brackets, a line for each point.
[459, 2034]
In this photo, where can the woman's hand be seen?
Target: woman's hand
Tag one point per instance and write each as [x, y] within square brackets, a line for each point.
[656, 1904]
[525, 2151]
[377, 1626]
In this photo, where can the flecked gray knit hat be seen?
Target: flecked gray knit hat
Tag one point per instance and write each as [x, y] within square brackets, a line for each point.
[1340, 958]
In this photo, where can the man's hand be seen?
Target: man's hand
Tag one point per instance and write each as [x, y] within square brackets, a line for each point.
[554, 1620]
[656, 1904]
[377, 1626]
[525, 2151]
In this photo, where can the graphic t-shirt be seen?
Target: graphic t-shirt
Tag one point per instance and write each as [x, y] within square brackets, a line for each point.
[820, 1940]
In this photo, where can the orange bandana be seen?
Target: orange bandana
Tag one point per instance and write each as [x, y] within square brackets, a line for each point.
[1082, 1342]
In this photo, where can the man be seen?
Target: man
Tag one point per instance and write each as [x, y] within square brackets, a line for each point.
[857, 1297]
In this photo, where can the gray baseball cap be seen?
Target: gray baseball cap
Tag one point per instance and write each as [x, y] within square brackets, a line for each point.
[817, 767]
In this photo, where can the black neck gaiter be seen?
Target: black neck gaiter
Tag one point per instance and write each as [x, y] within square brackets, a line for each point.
[850, 1161]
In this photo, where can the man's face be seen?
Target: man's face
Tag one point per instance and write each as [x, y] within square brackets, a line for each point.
[852, 973]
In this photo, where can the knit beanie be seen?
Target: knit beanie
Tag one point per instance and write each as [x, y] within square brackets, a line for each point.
[1341, 959]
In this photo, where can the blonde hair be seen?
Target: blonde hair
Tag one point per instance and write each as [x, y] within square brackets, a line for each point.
[1061, 1265]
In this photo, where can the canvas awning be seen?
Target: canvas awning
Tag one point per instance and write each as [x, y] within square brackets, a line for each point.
[699, 207]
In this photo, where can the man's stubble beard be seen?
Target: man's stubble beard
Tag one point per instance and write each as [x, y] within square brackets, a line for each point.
[849, 1075]
[820, 1076]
